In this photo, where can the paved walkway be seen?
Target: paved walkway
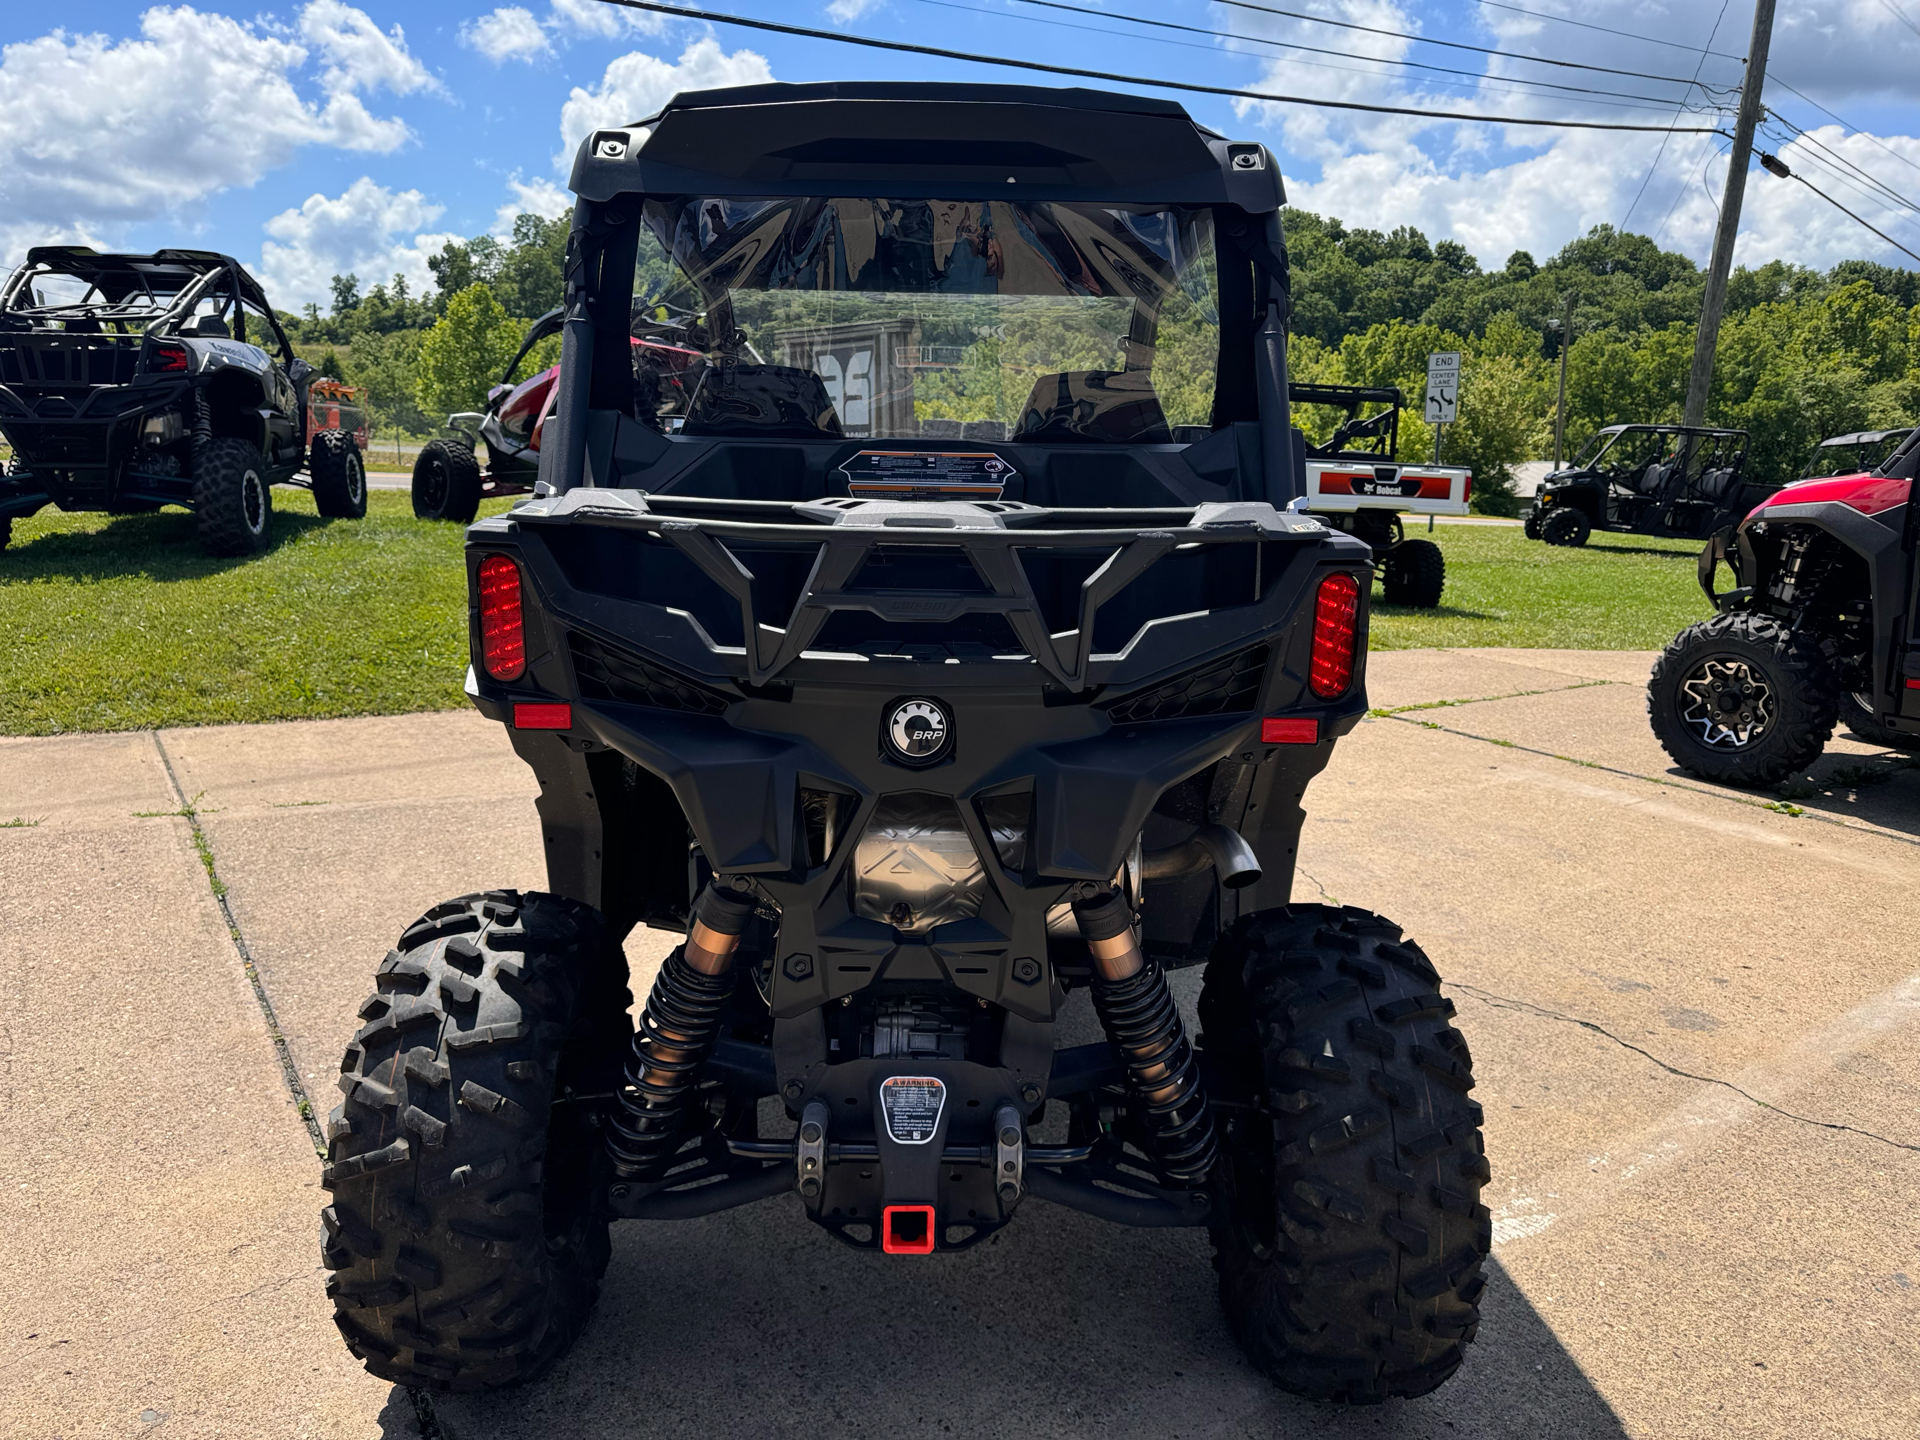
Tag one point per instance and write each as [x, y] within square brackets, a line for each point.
[1696, 1021]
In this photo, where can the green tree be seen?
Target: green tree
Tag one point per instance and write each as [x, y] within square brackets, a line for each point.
[464, 353]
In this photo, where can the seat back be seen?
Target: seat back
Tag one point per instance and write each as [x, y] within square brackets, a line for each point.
[774, 401]
[1100, 406]
[1713, 484]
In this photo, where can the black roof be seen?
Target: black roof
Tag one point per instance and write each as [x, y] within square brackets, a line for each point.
[119, 274]
[915, 140]
[1863, 437]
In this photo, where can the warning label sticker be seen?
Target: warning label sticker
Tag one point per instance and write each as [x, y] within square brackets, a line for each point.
[926, 475]
[911, 1106]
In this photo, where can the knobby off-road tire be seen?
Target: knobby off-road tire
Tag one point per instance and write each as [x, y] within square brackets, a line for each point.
[468, 1229]
[1350, 1237]
[1564, 525]
[1415, 573]
[1864, 725]
[1530, 524]
[232, 501]
[339, 476]
[446, 482]
[1793, 700]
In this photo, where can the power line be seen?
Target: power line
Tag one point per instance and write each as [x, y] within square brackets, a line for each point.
[1479, 77]
[1873, 180]
[902, 47]
[1425, 40]
[1845, 123]
[1775, 166]
[1608, 30]
[1659, 154]
[1900, 15]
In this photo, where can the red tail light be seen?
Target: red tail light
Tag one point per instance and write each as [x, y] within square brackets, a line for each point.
[503, 636]
[167, 359]
[1336, 613]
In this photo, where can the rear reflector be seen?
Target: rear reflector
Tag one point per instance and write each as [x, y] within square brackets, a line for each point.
[1287, 730]
[503, 638]
[1913, 684]
[1336, 613]
[907, 1229]
[542, 715]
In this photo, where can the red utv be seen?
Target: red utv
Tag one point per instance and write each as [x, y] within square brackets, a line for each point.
[449, 481]
[1820, 626]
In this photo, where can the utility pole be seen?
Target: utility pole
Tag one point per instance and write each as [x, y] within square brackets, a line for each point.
[1700, 380]
[1560, 405]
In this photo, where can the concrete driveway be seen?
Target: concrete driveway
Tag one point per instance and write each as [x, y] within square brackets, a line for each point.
[1696, 1021]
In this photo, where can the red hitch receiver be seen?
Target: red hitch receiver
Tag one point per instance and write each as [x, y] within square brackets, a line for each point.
[907, 1229]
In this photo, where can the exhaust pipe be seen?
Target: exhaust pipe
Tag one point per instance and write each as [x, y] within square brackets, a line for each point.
[1218, 846]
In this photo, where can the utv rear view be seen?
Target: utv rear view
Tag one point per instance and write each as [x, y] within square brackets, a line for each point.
[956, 650]
[129, 382]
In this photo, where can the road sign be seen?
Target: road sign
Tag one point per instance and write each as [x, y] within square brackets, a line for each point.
[1443, 386]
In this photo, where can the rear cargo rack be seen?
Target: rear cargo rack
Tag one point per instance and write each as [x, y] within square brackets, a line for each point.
[997, 538]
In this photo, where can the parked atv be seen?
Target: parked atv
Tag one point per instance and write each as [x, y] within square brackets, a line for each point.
[1817, 628]
[1356, 482]
[909, 771]
[128, 382]
[1673, 480]
[449, 481]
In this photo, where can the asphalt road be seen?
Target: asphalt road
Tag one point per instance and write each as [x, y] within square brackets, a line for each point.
[1696, 1023]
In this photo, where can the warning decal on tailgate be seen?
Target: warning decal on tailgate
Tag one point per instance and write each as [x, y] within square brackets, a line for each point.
[926, 475]
[911, 1105]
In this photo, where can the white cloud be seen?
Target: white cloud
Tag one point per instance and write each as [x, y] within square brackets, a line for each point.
[531, 197]
[609, 22]
[359, 55]
[509, 33]
[100, 134]
[844, 11]
[637, 84]
[367, 230]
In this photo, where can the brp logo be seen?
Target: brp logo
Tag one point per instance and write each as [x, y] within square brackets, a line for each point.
[917, 732]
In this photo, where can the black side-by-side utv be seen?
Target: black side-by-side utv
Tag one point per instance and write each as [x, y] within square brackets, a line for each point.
[1681, 481]
[129, 382]
[914, 735]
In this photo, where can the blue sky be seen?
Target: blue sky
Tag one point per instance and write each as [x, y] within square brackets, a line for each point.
[320, 135]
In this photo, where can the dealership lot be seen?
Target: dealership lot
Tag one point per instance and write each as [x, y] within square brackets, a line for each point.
[1696, 1021]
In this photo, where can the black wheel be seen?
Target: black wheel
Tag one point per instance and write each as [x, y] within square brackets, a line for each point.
[1530, 525]
[1742, 699]
[1565, 525]
[1856, 713]
[339, 475]
[468, 1230]
[1415, 573]
[1350, 1235]
[446, 482]
[232, 500]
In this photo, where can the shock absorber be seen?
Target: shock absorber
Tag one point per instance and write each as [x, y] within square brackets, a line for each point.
[677, 1034]
[1136, 1009]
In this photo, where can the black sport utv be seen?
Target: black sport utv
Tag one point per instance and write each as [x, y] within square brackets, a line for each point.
[128, 382]
[1675, 480]
[1822, 623]
[913, 739]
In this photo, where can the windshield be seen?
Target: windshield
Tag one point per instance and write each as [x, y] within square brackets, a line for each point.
[965, 319]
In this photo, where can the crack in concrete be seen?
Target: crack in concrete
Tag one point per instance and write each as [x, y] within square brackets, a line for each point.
[1389, 711]
[289, 1072]
[1527, 1007]
[1325, 894]
[1771, 806]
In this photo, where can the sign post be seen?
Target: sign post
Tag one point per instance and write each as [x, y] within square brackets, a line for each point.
[1443, 393]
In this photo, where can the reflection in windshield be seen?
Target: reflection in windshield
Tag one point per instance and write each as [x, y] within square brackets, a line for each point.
[982, 320]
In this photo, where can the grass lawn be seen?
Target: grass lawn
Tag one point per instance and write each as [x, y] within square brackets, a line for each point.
[117, 623]
[1617, 592]
[121, 623]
